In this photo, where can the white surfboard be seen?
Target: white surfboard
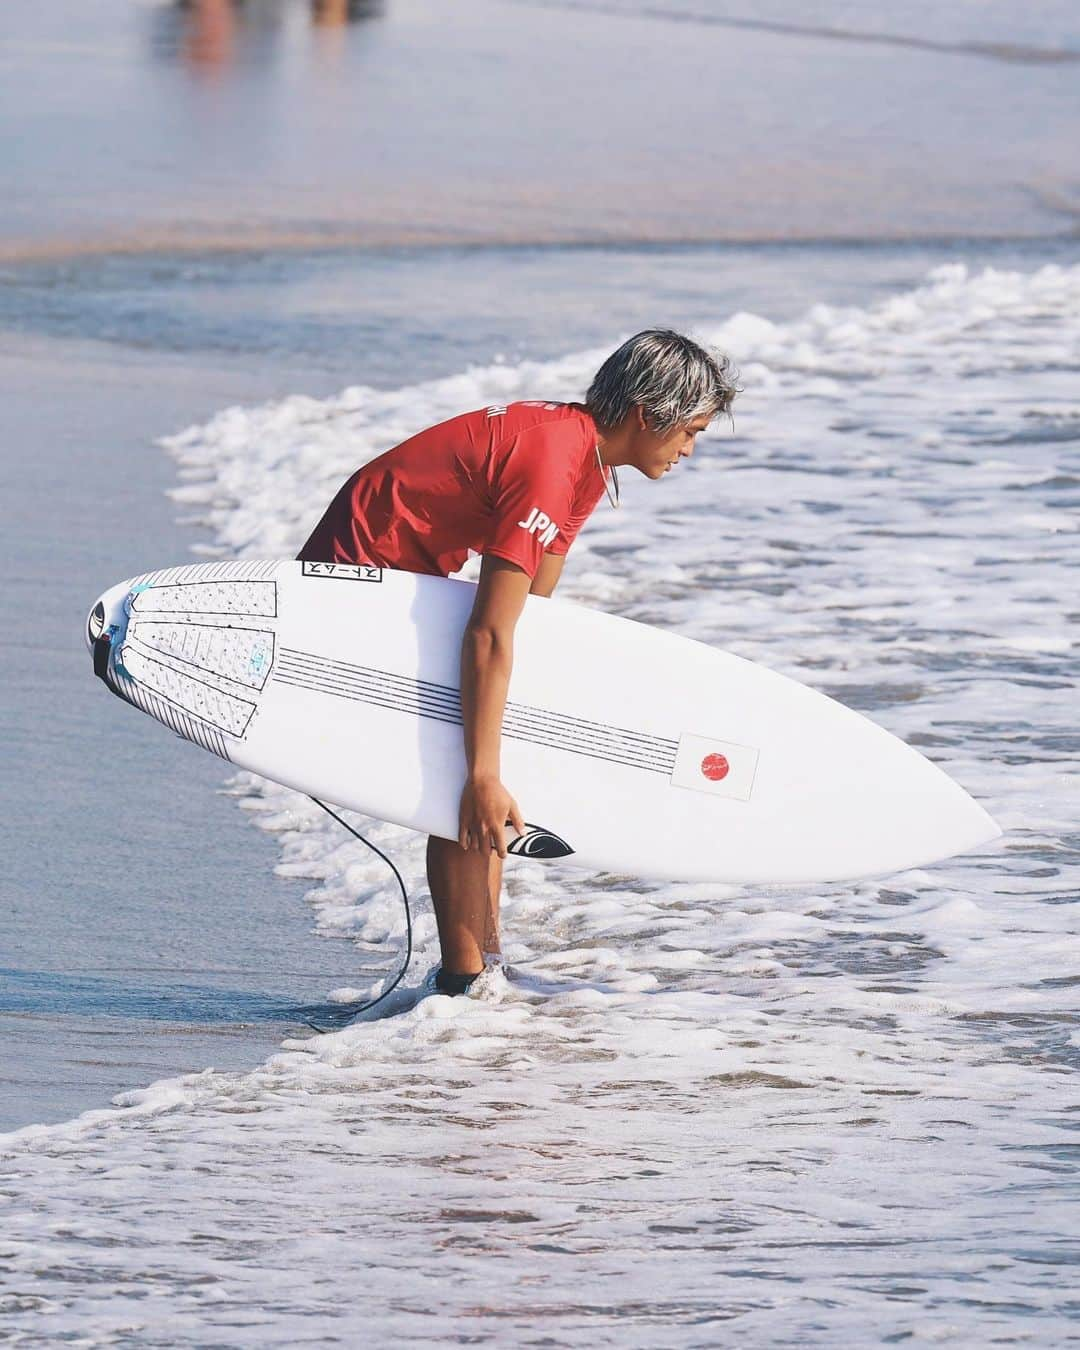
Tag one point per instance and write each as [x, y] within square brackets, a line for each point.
[626, 748]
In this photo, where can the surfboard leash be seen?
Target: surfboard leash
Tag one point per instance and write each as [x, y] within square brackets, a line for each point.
[365, 1007]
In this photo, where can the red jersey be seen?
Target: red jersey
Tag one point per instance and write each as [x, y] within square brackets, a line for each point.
[516, 481]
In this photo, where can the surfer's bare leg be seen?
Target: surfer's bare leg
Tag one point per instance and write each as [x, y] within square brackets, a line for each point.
[465, 875]
[492, 941]
[465, 887]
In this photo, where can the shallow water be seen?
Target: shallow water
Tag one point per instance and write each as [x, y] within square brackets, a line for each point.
[100, 356]
[140, 934]
[835, 1115]
[801, 1117]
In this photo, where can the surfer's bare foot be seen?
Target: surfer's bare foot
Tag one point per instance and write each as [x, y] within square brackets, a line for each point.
[465, 888]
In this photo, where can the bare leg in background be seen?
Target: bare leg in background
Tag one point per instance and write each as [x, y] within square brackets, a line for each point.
[465, 888]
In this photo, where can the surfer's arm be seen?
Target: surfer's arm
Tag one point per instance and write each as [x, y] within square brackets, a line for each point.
[487, 655]
[547, 574]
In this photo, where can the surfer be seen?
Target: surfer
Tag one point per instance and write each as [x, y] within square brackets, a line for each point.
[513, 483]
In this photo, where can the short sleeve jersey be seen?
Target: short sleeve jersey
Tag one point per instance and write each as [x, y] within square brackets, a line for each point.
[516, 481]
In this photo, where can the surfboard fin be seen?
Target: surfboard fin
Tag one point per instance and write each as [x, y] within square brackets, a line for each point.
[537, 842]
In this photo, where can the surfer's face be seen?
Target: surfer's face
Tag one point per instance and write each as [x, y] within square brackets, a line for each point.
[657, 453]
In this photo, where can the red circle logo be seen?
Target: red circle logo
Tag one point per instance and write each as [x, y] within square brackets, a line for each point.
[715, 767]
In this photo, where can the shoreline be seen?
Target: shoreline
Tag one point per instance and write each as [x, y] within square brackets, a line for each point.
[145, 931]
[224, 241]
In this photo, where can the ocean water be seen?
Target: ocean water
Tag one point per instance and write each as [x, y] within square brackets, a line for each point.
[141, 933]
[149, 125]
[246, 247]
[685, 1114]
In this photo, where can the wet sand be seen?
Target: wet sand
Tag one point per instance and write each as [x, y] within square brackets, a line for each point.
[490, 122]
[143, 930]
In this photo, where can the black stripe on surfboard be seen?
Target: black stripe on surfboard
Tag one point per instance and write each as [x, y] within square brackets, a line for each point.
[548, 741]
[447, 705]
[447, 694]
[442, 703]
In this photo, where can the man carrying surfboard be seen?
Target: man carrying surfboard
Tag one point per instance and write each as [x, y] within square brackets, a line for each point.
[513, 483]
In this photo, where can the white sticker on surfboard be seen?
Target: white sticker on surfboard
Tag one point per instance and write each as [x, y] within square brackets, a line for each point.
[720, 768]
[343, 571]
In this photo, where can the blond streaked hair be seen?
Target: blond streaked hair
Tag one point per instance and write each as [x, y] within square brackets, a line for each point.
[671, 376]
